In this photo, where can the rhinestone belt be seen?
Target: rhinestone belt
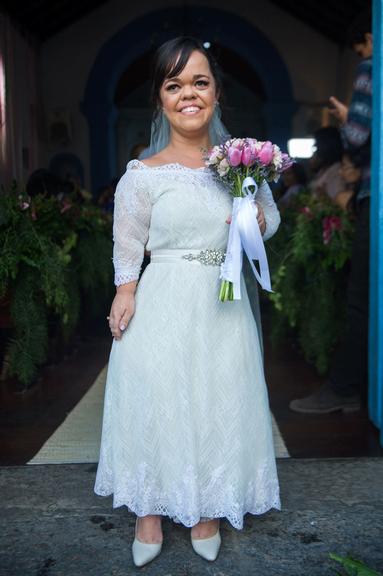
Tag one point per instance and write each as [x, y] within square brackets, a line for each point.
[207, 257]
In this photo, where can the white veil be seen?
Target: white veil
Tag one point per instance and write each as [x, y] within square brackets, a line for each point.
[160, 132]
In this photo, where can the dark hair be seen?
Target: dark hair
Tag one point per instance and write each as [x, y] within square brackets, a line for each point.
[43, 181]
[171, 58]
[329, 145]
[359, 27]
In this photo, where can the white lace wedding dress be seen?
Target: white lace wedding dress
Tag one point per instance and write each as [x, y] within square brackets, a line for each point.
[187, 426]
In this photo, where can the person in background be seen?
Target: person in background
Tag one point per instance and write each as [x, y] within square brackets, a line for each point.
[79, 194]
[347, 384]
[43, 181]
[294, 180]
[326, 163]
[350, 173]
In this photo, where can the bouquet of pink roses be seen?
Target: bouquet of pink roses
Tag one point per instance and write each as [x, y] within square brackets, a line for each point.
[244, 164]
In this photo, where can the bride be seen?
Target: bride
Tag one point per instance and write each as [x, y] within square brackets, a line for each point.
[187, 427]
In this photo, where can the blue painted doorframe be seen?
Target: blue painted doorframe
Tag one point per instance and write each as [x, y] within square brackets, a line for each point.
[375, 394]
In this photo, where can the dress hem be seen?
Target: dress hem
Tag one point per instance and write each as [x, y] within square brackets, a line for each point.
[235, 520]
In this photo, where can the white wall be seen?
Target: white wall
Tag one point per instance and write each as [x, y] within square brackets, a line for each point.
[316, 67]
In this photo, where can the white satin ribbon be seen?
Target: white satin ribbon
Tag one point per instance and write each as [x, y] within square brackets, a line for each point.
[244, 234]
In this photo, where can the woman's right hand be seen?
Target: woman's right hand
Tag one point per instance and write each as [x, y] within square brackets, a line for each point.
[122, 310]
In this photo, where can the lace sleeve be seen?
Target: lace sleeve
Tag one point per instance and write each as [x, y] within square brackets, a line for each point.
[265, 198]
[132, 210]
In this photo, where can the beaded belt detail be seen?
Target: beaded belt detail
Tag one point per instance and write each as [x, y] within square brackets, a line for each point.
[207, 257]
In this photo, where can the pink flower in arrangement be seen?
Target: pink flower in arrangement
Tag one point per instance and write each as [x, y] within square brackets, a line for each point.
[234, 156]
[287, 162]
[248, 156]
[24, 202]
[66, 206]
[330, 224]
[237, 143]
[306, 211]
[266, 153]
[33, 213]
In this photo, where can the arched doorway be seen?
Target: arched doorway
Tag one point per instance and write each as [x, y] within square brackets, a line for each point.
[142, 35]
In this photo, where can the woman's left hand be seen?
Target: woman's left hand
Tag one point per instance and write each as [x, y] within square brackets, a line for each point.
[261, 219]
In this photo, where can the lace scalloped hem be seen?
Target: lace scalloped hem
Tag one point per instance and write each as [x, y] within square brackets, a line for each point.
[189, 520]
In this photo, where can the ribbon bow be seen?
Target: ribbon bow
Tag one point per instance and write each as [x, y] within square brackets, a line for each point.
[244, 234]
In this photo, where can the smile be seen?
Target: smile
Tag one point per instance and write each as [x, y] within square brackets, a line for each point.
[189, 110]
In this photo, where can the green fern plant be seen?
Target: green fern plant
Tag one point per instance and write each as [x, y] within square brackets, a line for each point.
[53, 254]
[308, 261]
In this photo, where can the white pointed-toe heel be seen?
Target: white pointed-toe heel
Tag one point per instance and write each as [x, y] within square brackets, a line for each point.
[208, 548]
[144, 552]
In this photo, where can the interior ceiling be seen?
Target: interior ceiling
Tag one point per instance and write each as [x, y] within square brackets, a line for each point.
[44, 19]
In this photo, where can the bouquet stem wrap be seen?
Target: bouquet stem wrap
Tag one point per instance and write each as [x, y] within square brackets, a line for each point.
[244, 234]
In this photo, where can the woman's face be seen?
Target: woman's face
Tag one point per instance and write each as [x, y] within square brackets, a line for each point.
[188, 100]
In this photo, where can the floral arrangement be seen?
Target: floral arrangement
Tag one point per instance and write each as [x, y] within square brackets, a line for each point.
[309, 258]
[50, 270]
[244, 164]
[238, 158]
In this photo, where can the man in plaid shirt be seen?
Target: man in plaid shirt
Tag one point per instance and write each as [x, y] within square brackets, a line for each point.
[346, 386]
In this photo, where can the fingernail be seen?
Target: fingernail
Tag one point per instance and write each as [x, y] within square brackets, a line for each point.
[122, 326]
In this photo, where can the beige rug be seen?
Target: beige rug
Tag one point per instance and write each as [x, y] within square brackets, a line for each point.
[77, 440]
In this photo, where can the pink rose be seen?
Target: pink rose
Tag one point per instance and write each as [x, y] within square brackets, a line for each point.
[234, 156]
[265, 155]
